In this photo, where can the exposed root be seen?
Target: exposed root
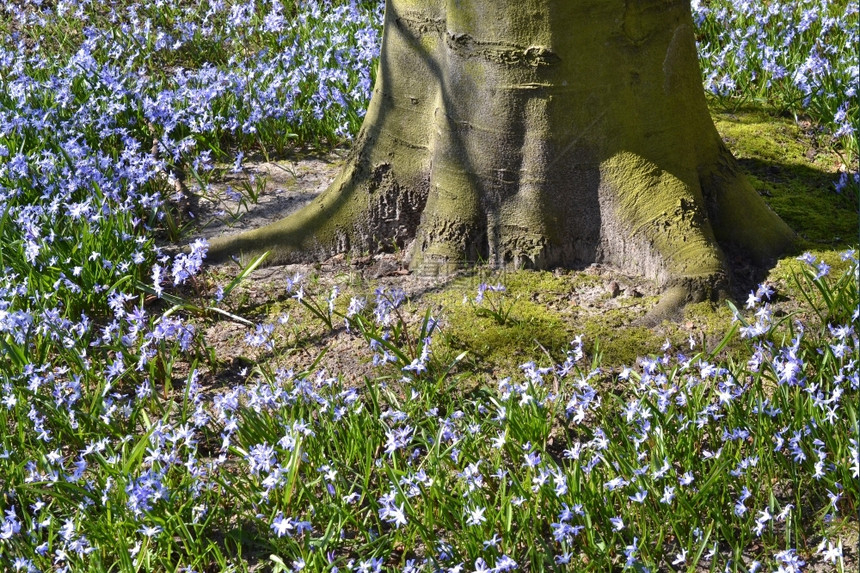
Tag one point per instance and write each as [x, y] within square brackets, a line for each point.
[741, 220]
[683, 292]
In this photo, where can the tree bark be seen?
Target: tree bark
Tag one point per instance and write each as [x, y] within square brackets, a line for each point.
[538, 133]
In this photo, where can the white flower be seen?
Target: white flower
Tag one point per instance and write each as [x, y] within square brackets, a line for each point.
[475, 516]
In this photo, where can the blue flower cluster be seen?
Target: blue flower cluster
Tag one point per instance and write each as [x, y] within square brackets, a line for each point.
[798, 56]
[93, 131]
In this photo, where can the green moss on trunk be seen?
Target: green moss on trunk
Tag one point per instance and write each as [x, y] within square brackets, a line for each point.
[530, 133]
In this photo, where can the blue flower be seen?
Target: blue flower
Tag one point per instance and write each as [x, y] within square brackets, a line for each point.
[11, 524]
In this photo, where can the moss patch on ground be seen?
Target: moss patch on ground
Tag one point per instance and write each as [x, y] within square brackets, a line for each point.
[618, 342]
[707, 322]
[506, 328]
[795, 175]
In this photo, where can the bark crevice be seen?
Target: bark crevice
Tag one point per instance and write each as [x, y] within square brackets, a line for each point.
[465, 46]
[417, 25]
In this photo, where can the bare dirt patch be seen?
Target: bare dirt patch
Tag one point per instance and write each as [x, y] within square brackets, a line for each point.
[263, 192]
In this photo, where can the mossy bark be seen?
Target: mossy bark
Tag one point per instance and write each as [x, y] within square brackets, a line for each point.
[538, 133]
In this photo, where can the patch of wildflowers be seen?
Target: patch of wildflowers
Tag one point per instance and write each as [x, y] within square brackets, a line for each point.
[134, 439]
[188, 265]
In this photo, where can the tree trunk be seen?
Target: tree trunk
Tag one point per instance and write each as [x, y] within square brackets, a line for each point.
[538, 133]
